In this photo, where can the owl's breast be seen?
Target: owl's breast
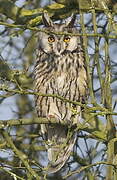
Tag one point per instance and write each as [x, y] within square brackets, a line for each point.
[61, 81]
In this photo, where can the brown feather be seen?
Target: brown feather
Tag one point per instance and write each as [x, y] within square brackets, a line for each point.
[64, 75]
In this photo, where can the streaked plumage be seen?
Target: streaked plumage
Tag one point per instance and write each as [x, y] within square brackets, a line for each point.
[60, 69]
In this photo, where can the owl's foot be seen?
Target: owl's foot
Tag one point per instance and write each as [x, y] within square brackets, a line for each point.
[50, 116]
[57, 118]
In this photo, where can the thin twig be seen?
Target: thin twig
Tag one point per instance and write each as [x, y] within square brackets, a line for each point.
[86, 167]
[24, 27]
[20, 154]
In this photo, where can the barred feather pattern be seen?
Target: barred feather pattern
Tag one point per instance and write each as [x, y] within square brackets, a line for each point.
[64, 75]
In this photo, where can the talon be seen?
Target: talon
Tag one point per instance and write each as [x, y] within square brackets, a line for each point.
[57, 118]
[50, 116]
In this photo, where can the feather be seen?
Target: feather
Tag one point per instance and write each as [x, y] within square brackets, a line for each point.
[62, 73]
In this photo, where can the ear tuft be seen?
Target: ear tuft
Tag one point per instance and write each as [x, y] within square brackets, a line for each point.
[71, 21]
[46, 20]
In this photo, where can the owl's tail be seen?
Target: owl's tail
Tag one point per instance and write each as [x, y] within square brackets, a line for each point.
[61, 141]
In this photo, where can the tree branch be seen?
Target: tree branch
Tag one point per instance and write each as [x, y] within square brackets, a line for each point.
[86, 167]
[20, 154]
[89, 109]
[24, 27]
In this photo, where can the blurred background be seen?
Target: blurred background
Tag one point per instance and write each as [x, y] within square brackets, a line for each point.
[18, 43]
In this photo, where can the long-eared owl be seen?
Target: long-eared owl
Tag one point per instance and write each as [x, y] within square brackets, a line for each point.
[60, 70]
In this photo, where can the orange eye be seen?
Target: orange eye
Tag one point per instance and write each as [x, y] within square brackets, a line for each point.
[51, 39]
[66, 39]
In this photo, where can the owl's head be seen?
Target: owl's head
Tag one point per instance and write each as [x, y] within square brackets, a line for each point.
[55, 43]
